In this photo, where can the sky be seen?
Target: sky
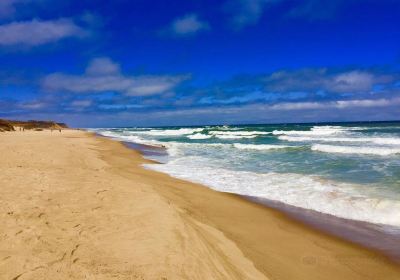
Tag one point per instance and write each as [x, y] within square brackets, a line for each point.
[100, 63]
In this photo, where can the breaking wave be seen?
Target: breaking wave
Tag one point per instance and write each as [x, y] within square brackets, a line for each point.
[381, 151]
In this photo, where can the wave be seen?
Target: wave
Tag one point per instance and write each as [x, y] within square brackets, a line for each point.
[128, 138]
[375, 140]
[199, 136]
[239, 133]
[177, 149]
[316, 130]
[240, 146]
[260, 147]
[222, 128]
[349, 201]
[170, 132]
[355, 150]
[235, 136]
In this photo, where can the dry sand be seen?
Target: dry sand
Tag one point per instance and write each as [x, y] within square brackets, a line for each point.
[76, 206]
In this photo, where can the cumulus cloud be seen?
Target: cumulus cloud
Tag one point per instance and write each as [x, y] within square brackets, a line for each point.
[188, 25]
[131, 114]
[354, 81]
[81, 103]
[38, 32]
[33, 105]
[264, 113]
[366, 103]
[102, 66]
[246, 12]
[282, 96]
[104, 75]
[297, 85]
[339, 104]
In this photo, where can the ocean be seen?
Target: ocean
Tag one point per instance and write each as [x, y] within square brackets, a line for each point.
[346, 170]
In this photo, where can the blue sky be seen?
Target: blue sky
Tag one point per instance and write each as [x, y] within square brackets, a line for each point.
[127, 63]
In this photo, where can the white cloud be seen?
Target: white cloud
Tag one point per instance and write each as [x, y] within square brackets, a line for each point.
[355, 81]
[103, 75]
[249, 12]
[288, 106]
[33, 105]
[38, 32]
[81, 103]
[246, 12]
[188, 25]
[149, 85]
[368, 103]
[102, 66]
[340, 104]
[263, 113]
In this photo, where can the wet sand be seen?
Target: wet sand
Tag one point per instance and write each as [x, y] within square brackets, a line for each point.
[77, 206]
[385, 239]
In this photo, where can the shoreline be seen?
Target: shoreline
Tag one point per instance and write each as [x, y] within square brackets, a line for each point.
[99, 213]
[291, 216]
[367, 235]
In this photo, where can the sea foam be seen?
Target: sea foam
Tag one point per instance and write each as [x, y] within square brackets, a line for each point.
[199, 136]
[316, 130]
[375, 140]
[259, 147]
[380, 151]
[171, 132]
[343, 200]
[233, 136]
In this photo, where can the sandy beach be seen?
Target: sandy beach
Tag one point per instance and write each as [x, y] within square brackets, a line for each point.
[77, 206]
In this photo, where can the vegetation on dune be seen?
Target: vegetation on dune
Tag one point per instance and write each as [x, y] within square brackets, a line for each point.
[9, 125]
[6, 126]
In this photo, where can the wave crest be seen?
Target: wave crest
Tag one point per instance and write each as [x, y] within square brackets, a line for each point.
[355, 150]
[260, 147]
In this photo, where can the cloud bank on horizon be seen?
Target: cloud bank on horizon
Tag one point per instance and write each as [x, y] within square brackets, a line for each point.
[131, 63]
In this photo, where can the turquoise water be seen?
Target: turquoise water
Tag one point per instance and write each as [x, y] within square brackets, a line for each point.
[349, 170]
